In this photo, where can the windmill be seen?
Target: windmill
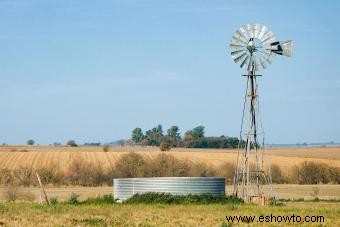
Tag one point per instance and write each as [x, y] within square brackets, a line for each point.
[253, 47]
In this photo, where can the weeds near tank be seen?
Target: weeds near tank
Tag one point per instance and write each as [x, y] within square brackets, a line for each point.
[167, 198]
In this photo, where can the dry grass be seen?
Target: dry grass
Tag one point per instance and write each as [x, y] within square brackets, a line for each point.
[31, 214]
[25, 214]
[283, 191]
[37, 157]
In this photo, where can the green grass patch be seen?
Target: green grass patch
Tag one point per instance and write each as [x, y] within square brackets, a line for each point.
[333, 200]
[105, 199]
[167, 198]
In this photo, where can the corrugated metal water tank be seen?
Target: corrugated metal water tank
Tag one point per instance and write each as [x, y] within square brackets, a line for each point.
[124, 188]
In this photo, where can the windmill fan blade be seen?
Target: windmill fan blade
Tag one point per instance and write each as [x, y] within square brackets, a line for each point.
[257, 66]
[233, 53]
[269, 58]
[257, 30]
[269, 37]
[234, 47]
[263, 63]
[263, 31]
[237, 40]
[269, 41]
[245, 61]
[250, 29]
[241, 36]
[239, 58]
[244, 31]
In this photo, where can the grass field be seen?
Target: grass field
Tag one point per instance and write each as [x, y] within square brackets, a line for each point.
[13, 157]
[282, 191]
[27, 214]
[32, 214]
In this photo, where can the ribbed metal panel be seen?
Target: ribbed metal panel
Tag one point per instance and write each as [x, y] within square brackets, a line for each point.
[124, 188]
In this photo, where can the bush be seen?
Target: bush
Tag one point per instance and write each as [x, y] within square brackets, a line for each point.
[334, 175]
[73, 199]
[50, 175]
[85, 173]
[165, 146]
[11, 193]
[313, 173]
[54, 200]
[227, 170]
[167, 198]
[315, 192]
[131, 165]
[6, 177]
[165, 165]
[276, 174]
[105, 199]
[92, 174]
[201, 170]
[106, 148]
[23, 176]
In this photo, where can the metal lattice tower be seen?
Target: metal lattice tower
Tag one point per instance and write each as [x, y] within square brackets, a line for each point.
[253, 47]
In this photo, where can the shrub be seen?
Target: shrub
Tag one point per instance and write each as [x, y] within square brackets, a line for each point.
[105, 199]
[54, 200]
[167, 198]
[92, 174]
[276, 174]
[312, 173]
[334, 175]
[6, 177]
[165, 165]
[315, 192]
[23, 176]
[73, 199]
[50, 175]
[3, 209]
[106, 148]
[85, 173]
[11, 193]
[165, 146]
[227, 170]
[201, 170]
[131, 165]
[72, 173]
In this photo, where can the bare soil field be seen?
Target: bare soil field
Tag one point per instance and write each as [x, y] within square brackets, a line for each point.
[12, 157]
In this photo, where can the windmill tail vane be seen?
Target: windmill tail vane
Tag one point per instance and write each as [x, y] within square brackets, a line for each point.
[253, 47]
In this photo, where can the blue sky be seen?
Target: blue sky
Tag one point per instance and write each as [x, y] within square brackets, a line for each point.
[94, 70]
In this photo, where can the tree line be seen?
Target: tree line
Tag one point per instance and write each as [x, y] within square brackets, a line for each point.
[193, 138]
